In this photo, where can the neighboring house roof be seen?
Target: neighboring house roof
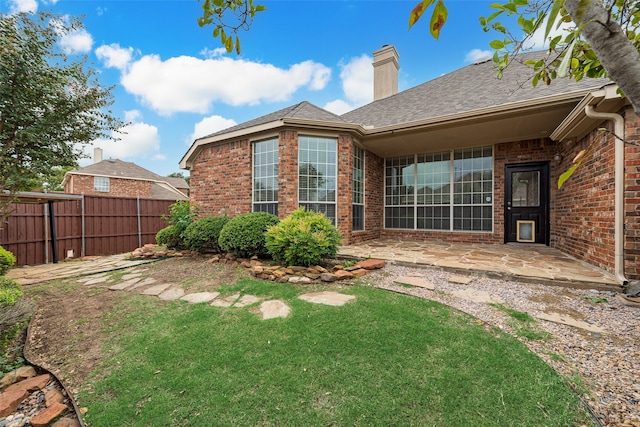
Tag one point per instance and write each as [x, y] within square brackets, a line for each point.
[161, 187]
[468, 105]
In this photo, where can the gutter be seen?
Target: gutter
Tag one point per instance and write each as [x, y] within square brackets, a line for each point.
[618, 121]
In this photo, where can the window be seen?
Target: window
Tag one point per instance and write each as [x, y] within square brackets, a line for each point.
[101, 184]
[265, 176]
[317, 174]
[358, 189]
[451, 190]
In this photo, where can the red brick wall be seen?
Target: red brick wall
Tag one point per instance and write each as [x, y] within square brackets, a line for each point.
[118, 187]
[632, 196]
[584, 215]
[287, 172]
[221, 179]
[344, 214]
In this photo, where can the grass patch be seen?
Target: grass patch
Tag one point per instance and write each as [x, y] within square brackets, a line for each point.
[386, 359]
[522, 324]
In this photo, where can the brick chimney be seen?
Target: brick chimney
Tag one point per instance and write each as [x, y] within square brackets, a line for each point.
[97, 155]
[385, 72]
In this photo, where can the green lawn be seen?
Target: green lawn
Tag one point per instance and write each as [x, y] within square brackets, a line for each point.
[384, 360]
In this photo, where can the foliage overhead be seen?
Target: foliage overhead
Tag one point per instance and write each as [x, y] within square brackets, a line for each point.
[49, 102]
[228, 17]
[586, 38]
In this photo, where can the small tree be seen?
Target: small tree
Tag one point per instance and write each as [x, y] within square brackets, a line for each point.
[49, 103]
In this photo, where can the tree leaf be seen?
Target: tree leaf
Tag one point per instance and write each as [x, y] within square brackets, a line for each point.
[566, 175]
[553, 14]
[417, 11]
[237, 45]
[563, 69]
[497, 44]
[438, 19]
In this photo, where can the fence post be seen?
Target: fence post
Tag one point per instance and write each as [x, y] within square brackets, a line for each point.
[45, 219]
[82, 230]
[139, 225]
[54, 239]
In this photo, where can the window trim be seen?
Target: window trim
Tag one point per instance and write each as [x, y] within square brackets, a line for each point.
[100, 188]
[363, 192]
[253, 175]
[311, 202]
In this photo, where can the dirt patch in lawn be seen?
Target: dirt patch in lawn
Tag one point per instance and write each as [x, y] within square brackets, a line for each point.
[70, 327]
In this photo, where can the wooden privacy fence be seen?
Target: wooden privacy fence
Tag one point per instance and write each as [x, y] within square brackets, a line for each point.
[90, 225]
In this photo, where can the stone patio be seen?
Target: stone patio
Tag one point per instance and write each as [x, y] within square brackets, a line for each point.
[528, 263]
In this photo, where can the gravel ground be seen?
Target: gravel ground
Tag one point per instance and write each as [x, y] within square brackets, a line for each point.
[601, 367]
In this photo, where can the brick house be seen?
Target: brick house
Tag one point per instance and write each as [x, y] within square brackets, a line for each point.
[465, 157]
[115, 178]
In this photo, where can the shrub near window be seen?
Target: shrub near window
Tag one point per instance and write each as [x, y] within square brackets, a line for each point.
[303, 238]
[202, 234]
[244, 235]
[7, 260]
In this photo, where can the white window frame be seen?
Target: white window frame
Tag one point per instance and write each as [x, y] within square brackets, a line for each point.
[269, 204]
[101, 184]
[316, 204]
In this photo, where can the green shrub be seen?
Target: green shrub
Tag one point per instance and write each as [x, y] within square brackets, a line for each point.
[170, 237]
[303, 238]
[181, 214]
[202, 234]
[7, 260]
[10, 291]
[244, 234]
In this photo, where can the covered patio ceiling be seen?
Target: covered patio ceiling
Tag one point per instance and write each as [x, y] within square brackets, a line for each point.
[468, 130]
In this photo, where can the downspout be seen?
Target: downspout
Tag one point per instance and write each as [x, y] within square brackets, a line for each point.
[618, 121]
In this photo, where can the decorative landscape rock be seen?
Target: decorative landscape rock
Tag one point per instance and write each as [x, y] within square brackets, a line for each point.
[568, 320]
[44, 418]
[156, 289]
[10, 400]
[463, 280]
[246, 300]
[476, 295]
[226, 301]
[371, 264]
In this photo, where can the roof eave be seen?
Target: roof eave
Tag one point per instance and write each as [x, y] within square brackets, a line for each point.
[498, 110]
[187, 160]
[576, 125]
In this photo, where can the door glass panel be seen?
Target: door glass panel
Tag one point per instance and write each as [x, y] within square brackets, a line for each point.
[525, 189]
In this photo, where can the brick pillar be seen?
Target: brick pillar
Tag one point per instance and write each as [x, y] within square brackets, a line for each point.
[287, 172]
[345, 187]
[632, 196]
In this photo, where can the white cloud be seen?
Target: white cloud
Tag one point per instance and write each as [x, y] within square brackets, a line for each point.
[79, 41]
[114, 56]
[209, 125]
[357, 85]
[477, 55]
[188, 84]
[137, 140]
[537, 40]
[338, 107]
[132, 115]
[213, 53]
[17, 6]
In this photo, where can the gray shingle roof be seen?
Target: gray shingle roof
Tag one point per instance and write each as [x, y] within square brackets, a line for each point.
[303, 110]
[467, 89]
[118, 169]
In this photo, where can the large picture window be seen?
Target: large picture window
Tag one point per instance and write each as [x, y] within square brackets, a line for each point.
[451, 190]
[265, 176]
[358, 189]
[317, 160]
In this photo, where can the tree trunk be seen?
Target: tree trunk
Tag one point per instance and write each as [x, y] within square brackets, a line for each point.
[616, 53]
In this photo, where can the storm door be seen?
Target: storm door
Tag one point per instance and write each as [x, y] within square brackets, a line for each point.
[527, 203]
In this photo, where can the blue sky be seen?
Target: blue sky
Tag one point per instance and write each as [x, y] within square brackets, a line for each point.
[173, 82]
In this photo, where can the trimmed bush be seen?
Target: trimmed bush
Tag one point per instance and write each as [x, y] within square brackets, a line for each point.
[244, 234]
[303, 238]
[7, 260]
[202, 234]
[170, 237]
[10, 291]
